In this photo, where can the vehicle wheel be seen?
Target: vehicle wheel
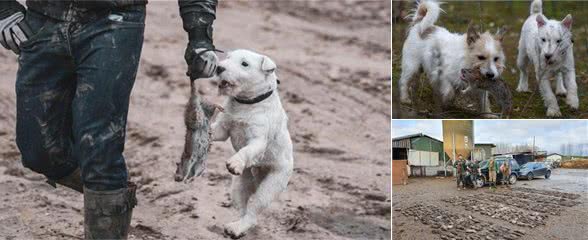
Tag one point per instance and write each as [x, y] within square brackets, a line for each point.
[548, 174]
[512, 179]
[530, 176]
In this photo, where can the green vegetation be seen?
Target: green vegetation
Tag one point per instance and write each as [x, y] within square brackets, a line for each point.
[492, 15]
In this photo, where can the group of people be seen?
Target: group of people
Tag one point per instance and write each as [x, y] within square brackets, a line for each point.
[469, 171]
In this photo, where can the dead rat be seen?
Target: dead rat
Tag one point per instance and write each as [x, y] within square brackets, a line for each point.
[197, 120]
[496, 87]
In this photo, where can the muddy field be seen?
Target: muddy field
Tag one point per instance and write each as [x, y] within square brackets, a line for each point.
[333, 62]
[553, 208]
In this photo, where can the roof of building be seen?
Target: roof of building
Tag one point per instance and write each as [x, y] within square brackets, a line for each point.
[396, 142]
[415, 136]
[551, 154]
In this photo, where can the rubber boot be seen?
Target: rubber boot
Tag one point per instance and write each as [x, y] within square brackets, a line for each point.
[73, 181]
[107, 214]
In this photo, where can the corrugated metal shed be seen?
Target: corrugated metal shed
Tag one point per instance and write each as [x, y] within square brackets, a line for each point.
[419, 141]
[402, 143]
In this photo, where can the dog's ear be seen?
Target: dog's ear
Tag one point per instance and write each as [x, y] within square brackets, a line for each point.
[472, 35]
[540, 20]
[567, 22]
[500, 33]
[267, 65]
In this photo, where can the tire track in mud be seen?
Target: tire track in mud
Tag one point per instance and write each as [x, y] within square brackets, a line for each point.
[354, 14]
[337, 87]
[556, 194]
[542, 201]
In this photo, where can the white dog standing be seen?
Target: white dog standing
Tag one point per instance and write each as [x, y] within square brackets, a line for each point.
[442, 55]
[548, 45]
[255, 121]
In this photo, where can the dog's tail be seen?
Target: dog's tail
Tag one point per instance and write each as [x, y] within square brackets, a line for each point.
[536, 7]
[425, 15]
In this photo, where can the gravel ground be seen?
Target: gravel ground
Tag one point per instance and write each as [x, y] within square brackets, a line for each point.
[538, 205]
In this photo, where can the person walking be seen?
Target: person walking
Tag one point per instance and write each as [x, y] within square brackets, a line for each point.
[78, 60]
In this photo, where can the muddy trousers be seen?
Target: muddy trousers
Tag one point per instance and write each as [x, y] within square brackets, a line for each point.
[73, 87]
[505, 178]
[460, 179]
[492, 178]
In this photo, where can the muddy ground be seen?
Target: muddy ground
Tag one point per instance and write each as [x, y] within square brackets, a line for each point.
[333, 62]
[555, 208]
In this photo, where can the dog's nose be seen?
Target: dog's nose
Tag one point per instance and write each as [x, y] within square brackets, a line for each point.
[548, 56]
[219, 70]
[490, 75]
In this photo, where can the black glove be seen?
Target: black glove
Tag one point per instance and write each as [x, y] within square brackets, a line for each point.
[201, 62]
[197, 18]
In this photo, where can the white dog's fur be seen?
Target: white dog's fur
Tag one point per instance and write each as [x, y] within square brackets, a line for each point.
[541, 37]
[443, 54]
[263, 161]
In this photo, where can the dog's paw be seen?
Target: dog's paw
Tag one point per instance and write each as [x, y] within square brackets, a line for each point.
[521, 88]
[236, 229]
[404, 97]
[573, 102]
[553, 112]
[235, 165]
[489, 116]
[405, 100]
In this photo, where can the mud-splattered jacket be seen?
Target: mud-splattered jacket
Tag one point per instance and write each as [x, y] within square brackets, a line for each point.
[197, 15]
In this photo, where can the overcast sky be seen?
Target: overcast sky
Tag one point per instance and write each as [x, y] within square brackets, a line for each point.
[549, 134]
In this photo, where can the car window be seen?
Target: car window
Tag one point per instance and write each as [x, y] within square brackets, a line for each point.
[514, 164]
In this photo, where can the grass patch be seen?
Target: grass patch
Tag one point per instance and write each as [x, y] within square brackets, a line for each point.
[492, 15]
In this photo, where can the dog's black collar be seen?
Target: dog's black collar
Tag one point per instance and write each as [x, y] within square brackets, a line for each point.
[254, 100]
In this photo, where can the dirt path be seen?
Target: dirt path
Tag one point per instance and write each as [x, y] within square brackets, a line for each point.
[333, 62]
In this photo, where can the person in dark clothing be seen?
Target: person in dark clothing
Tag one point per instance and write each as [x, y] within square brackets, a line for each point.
[460, 168]
[78, 61]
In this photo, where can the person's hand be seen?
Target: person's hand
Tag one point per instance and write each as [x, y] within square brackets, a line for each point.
[201, 62]
[13, 32]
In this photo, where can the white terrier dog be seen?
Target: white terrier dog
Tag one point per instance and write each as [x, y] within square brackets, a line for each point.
[443, 54]
[255, 121]
[548, 45]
